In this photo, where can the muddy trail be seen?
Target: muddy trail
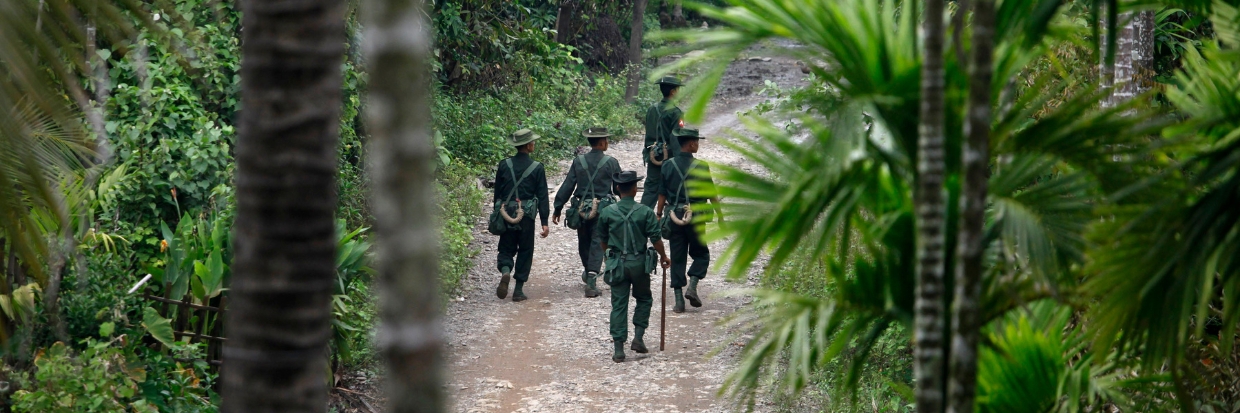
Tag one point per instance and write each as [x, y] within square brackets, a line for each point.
[552, 353]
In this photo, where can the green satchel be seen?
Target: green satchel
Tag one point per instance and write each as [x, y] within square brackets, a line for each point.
[516, 209]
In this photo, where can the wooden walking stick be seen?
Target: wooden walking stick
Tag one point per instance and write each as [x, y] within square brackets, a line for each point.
[663, 312]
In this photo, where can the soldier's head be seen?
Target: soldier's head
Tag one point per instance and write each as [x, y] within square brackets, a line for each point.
[669, 85]
[523, 140]
[626, 183]
[688, 139]
[598, 138]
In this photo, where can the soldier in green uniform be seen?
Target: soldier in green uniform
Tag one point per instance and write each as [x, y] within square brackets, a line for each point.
[523, 180]
[677, 209]
[661, 119]
[623, 230]
[589, 185]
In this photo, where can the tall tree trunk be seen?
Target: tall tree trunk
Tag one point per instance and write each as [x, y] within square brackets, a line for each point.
[402, 160]
[966, 326]
[930, 210]
[678, 14]
[635, 50]
[563, 16]
[1134, 57]
[279, 318]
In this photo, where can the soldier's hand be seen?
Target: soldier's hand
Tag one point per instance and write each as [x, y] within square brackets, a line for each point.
[546, 230]
[555, 219]
[666, 263]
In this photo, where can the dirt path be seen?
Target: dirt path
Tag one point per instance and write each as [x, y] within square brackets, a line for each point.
[552, 353]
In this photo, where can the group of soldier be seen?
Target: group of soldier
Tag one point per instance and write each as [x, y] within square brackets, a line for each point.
[611, 225]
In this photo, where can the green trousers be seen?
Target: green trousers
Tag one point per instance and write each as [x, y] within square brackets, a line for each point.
[637, 282]
[683, 245]
[519, 244]
[652, 186]
[588, 248]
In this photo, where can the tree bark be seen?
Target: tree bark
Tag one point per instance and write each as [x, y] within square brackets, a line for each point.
[678, 14]
[562, 16]
[402, 157]
[1130, 75]
[279, 318]
[930, 209]
[966, 326]
[635, 50]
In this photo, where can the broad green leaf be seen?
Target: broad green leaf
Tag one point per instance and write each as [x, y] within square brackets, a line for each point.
[157, 326]
[106, 329]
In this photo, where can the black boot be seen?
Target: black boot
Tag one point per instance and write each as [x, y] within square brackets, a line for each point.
[639, 345]
[592, 285]
[691, 293]
[502, 290]
[618, 356]
[680, 301]
[517, 295]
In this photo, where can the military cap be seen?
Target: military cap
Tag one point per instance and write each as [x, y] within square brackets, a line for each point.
[624, 177]
[596, 133]
[670, 80]
[522, 137]
[687, 133]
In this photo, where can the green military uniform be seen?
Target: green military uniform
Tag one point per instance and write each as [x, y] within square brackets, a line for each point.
[661, 119]
[525, 180]
[589, 180]
[684, 241]
[626, 227]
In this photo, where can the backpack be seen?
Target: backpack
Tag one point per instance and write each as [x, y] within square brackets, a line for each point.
[579, 213]
[509, 208]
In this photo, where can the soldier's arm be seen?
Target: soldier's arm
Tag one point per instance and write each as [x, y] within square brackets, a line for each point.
[542, 191]
[566, 189]
[600, 231]
[713, 194]
[652, 232]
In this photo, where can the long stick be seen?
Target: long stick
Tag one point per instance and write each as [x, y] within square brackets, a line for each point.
[663, 311]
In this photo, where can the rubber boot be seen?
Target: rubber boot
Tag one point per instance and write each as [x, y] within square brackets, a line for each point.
[691, 293]
[618, 356]
[639, 345]
[517, 295]
[592, 285]
[680, 301]
[502, 290]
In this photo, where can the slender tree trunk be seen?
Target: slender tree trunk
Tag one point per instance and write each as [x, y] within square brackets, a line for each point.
[966, 326]
[678, 14]
[279, 318]
[1134, 57]
[402, 157]
[635, 50]
[562, 17]
[930, 210]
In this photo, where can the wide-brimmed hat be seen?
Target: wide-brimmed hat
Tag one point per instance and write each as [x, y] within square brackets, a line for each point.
[596, 133]
[522, 137]
[624, 177]
[670, 80]
[687, 133]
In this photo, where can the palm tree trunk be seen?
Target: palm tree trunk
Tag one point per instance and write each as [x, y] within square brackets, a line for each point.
[966, 327]
[635, 50]
[1134, 57]
[279, 318]
[402, 160]
[930, 209]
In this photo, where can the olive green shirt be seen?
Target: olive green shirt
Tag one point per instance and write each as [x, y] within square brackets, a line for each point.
[675, 188]
[577, 183]
[661, 119]
[643, 224]
[533, 187]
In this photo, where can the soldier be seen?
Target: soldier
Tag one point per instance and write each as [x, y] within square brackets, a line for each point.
[677, 207]
[661, 119]
[623, 229]
[590, 186]
[523, 180]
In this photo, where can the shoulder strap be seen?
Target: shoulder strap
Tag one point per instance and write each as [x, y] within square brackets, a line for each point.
[628, 232]
[517, 182]
[683, 178]
[591, 174]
